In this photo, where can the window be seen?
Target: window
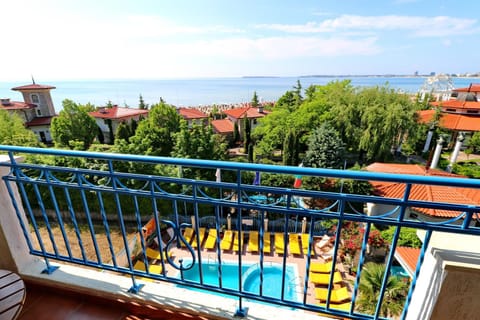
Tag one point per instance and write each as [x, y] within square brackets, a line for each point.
[35, 99]
[39, 113]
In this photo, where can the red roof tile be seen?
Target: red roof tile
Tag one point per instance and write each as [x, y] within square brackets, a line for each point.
[117, 113]
[431, 193]
[191, 113]
[408, 257]
[33, 86]
[222, 126]
[17, 105]
[250, 112]
[457, 104]
[459, 122]
[41, 121]
[474, 87]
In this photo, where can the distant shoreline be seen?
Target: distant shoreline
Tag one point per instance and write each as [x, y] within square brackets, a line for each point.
[360, 76]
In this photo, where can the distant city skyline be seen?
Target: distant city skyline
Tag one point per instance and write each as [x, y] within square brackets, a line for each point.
[147, 39]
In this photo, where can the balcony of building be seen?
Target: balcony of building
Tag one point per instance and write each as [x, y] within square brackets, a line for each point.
[92, 237]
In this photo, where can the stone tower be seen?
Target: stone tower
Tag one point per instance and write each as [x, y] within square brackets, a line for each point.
[38, 95]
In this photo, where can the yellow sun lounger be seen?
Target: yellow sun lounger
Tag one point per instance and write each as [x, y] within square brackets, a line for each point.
[253, 241]
[279, 243]
[341, 306]
[337, 296]
[295, 248]
[201, 234]
[324, 278]
[153, 268]
[155, 255]
[187, 234]
[211, 239]
[267, 245]
[226, 243]
[236, 240]
[305, 238]
[321, 267]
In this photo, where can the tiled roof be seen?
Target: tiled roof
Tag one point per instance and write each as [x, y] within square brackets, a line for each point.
[33, 86]
[191, 113]
[250, 112]
[474, 87]
[117, 113]
[425, 116]
[16, 105]
[423, 192]
[408, 258]
[222, 126]
[40, 121]
[457, 104]
[460, 122]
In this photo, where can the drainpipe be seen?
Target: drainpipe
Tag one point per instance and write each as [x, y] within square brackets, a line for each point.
[438, 151]
[456, 151]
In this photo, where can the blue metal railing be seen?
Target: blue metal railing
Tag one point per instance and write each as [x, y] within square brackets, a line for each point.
[97, 199]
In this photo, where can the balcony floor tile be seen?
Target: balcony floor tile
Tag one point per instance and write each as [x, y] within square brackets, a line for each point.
[45, 303]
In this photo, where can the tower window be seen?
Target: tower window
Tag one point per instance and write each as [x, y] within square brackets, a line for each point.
[35, 98]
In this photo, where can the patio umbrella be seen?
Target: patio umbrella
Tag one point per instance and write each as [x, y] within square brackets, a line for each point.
[229, 222]
[304, 225]
[193, 222]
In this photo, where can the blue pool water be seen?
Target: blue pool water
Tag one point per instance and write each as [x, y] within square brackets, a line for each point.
[272, 278]
[399, 271]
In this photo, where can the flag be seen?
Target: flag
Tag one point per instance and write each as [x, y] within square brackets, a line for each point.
[256, 181]
[298, 182]
[298, 179]
[218, 175]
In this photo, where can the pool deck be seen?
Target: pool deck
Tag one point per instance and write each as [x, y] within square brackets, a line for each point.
[249, 257]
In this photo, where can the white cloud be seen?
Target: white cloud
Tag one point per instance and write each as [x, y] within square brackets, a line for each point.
[419, 25]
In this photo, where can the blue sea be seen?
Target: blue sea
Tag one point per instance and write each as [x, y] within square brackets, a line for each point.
[197, 92]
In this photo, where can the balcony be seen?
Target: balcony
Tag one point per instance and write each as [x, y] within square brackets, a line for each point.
[216, 239]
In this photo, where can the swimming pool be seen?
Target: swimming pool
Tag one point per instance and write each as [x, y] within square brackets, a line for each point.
[272, 278]
[399, 272]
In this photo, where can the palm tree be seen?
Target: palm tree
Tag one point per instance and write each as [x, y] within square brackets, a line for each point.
[369, 291]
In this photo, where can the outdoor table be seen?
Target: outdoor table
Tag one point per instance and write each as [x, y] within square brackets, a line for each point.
[12, 295]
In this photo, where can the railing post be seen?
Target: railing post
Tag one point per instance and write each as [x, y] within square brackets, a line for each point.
[13, 248]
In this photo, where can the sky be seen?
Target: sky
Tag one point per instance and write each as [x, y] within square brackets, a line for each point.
[164, 39]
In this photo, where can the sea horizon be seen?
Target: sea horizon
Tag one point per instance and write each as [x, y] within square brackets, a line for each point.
[194, 92]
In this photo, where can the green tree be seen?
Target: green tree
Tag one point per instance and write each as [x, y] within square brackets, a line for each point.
[250, 153]
[298, 93]
[100, 136]
[141, 104]
[325, 148]
[198, 142]
[154, 135]
[74, 127]
[290, 149]
[386, 118]
[254, 102]
[369, 291]
[303, 118]
[236, 133]
[246, 132]
[123, 132]
[13, 131]
[474, 142]
[408, 237]
[111, 135]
